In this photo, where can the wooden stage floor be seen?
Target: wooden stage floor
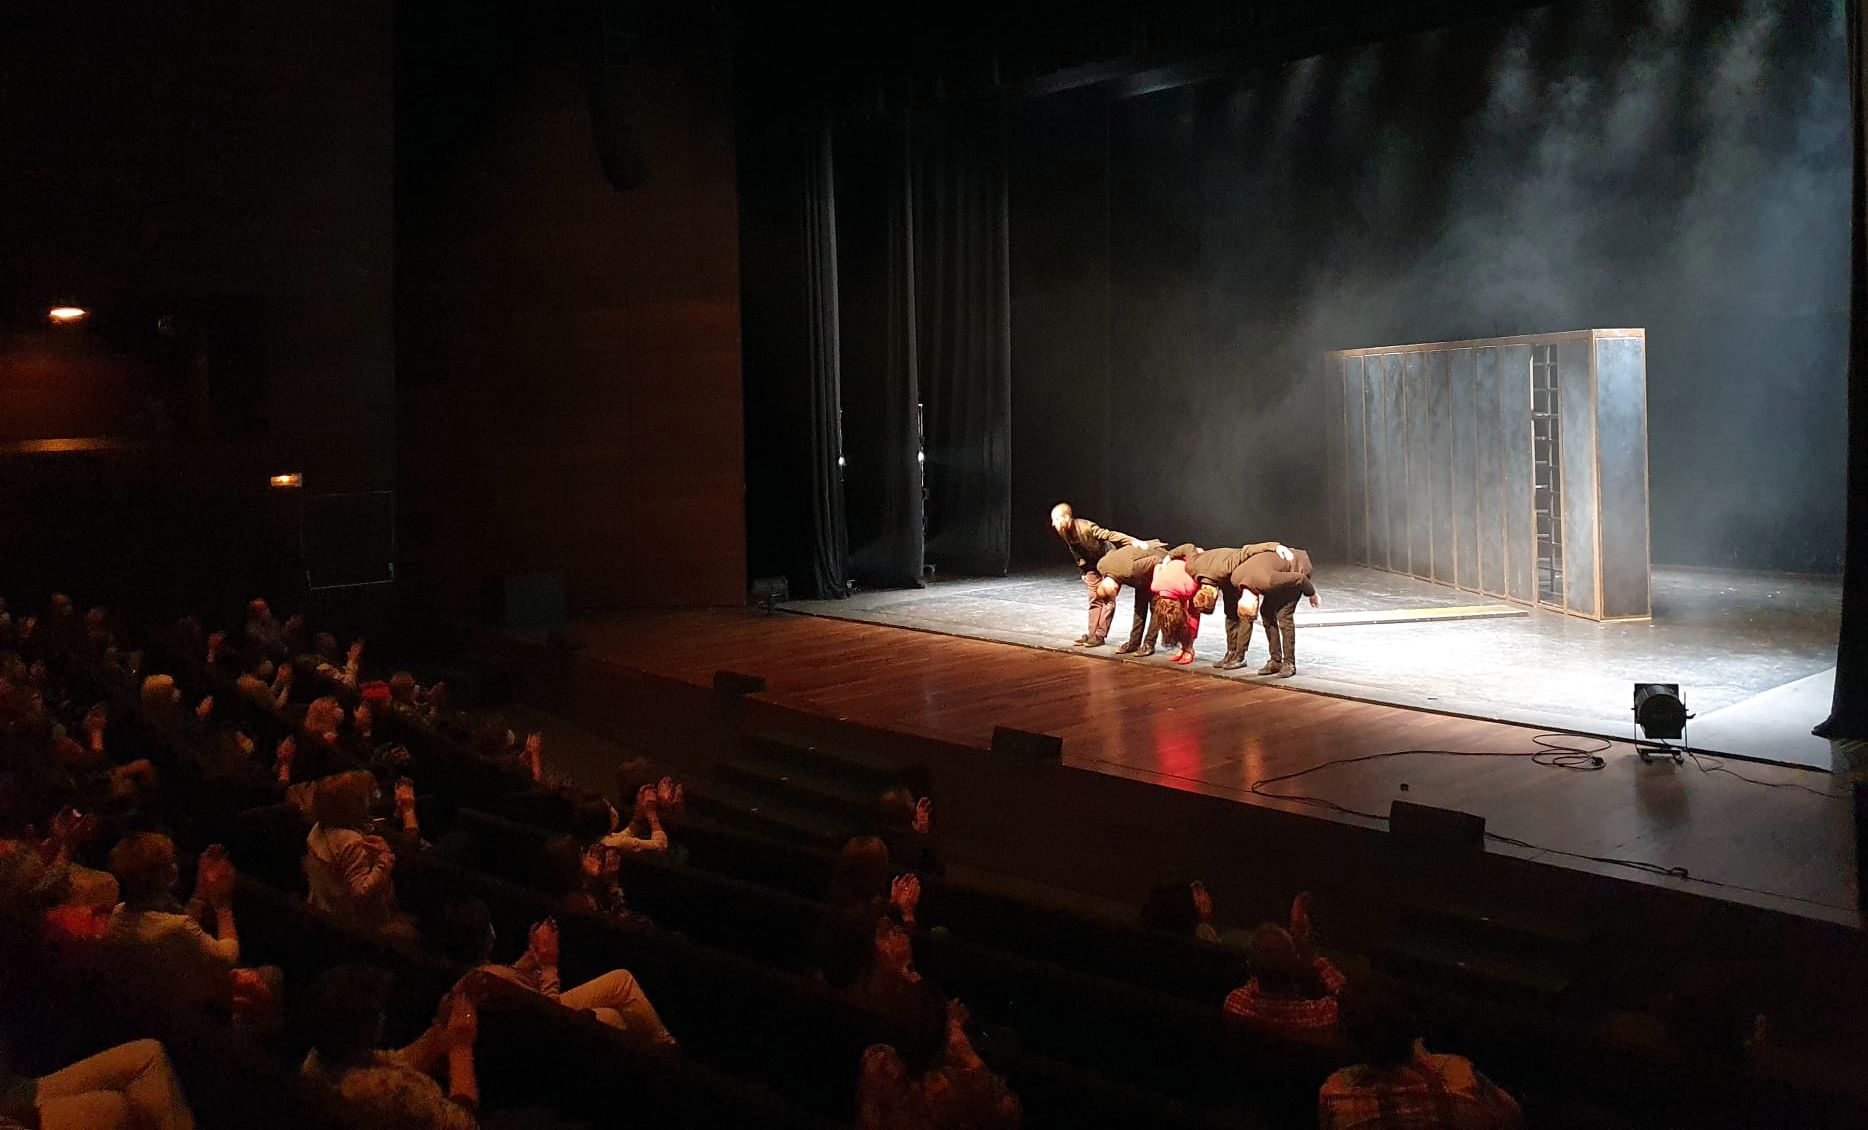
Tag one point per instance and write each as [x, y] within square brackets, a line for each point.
[1785, 843]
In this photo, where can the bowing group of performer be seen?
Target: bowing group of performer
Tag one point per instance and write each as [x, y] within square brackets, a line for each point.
[1178, 585]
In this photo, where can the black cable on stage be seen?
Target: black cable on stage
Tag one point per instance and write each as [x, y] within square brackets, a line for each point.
[1552, 753]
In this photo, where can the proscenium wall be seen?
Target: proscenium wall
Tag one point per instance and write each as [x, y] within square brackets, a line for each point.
[569, 353]
[1672, 166]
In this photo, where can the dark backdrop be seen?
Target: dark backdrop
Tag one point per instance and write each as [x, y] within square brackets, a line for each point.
[1677, 167]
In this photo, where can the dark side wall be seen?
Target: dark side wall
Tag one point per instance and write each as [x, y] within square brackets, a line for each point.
[1677, 167]
[226, 160]
[569, 353]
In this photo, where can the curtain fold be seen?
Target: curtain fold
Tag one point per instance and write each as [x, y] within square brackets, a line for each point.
[881, 381]
[1848, 715]
[829, 540]
[962, 308]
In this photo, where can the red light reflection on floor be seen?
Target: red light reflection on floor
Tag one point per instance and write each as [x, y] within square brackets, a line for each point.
[1179, 736]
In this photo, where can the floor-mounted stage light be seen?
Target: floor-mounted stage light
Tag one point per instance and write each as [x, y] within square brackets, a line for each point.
[66, 315]
[1660, 717]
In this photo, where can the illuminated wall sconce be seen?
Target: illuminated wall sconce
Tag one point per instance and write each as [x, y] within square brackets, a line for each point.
[66, 315]
[291, 480]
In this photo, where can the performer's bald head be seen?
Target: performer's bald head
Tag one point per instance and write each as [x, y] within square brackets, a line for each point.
[1060, 516]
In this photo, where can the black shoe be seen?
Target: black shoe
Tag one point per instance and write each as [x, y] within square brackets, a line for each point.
[1126, 648]
[1143, 652]
[1088, 641]
[1287, 669]
[1230, 663]
[1271, 667]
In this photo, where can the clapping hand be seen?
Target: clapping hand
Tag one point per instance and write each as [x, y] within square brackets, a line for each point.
[905, 895]
[924, 815]
[214, 877]
[405, 794]
[205, 708]
[543, 944]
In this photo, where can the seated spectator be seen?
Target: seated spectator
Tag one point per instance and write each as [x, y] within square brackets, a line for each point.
[1293, 990]
[888, 986]
[645, 832]
[1400, 1085]
[584, 880]
[1180, 906]
[348, 866]
[864, 893]
[465, 933]
[129, 1087]
[162, 942]
[265, 637]
[391, 1088]
[906, 826]
[935, 1081]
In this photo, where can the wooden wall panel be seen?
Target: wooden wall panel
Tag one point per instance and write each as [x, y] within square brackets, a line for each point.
[570, 360]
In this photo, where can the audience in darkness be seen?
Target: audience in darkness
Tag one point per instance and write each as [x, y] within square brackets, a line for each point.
[129, 1087]
[1399, 1085]
[1180, 906]
[906, 825]
[349, 866]
[1293, 989]
[933, 1079]
[378, 1087]
[465, 934]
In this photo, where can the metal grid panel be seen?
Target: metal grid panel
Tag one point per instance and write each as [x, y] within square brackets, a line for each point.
[1490, 482]
[1577, 406]
[1462, 379]
[1356, 479]
[1621, 429]
[1419, 467]
[1440, 466]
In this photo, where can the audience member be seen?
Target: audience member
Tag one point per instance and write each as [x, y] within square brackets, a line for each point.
[1180, 906]
[645, 831]
[1400, 1085]
[391, 1088]
[129, 1087]
[906, 826]
[349, 867]
[1293, 989]
[933, 1080]
[465, 933]
[159, 942]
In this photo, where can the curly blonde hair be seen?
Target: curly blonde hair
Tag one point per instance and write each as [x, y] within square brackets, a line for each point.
[1171, 618]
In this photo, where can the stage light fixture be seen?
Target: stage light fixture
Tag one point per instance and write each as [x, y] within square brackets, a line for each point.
[1660, 716]
[66, 315]
[290, 480]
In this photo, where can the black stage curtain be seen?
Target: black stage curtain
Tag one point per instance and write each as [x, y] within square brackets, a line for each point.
[881, 382]
[830, 549]
[788, 314]
[963, 332]
[1848, 714]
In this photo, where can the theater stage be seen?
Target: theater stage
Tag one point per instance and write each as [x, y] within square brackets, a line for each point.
[1754, 653]
[1784, 843]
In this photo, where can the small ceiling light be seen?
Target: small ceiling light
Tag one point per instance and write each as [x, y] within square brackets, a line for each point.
[66, 315]
[290, 480]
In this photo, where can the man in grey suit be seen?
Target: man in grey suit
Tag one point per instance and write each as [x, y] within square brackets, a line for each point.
[1087, 543]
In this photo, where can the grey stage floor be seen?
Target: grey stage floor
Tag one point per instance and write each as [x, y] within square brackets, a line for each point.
[1754, 653]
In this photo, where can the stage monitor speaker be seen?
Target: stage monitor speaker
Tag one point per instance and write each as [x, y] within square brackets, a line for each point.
[736, 683]
[1026, 745]
[1424, 824]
